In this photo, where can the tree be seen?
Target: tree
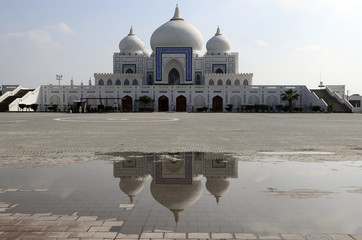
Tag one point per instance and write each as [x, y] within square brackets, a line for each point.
[145, 100]
[22, 106]
[290, 95]
[34, 106]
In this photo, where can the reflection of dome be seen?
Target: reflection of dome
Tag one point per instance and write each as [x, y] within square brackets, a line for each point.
[177, 33]
[132, 185]
[217, 187]
[132, 44]
[218, 44]
[177, 197]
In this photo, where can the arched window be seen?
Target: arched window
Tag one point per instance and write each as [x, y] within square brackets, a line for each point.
[245, 82]
[228, 82]
[129, 71]
[237, 82]
[211, 82]
[126, 82]
[134, 82]
[100, 82]
[219, 82]
[109, 82]
[219, 70]
[118, 82]
[173, 77]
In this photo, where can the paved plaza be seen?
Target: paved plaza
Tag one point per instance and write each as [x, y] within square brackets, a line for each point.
[32, 140]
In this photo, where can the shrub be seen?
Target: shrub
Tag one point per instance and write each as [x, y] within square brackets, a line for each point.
[316, 108]
[55, 107]
[297, 109]
[34, 106]
[249, 107]
[22, 106]
[279, 107]
[285, 108]
[229, 107]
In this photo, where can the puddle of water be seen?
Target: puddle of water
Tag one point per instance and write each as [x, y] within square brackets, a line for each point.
[201, 192]
[297, 153]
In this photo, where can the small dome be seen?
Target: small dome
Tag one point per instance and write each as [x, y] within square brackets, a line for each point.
[217, 186]
[218, 44]
[177, 197]
[177, 33]
[132, 186]
[132, 44]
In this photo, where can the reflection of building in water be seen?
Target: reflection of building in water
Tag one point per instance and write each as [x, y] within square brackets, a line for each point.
[176, 178]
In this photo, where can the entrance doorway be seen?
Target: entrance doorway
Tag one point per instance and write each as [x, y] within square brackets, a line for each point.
[163, 104]
[181, 104]
[217, 104]
[127, 104]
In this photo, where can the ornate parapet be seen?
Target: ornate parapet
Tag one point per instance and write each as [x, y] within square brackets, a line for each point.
[118, 75]
[229, 75]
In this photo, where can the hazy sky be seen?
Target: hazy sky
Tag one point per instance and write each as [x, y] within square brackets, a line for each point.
[280, 41]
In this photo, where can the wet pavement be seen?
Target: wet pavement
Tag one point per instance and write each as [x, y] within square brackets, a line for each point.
[108, 176]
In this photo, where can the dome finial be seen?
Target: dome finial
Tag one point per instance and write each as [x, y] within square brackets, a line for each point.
[218, 32]
[131, 31]
[177, 16]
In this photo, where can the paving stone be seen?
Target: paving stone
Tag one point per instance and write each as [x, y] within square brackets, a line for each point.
[87, 218]
[198, 235]
[127, 236]
[357, 236]
[113, 223]
[246, 236]
[48, 218]
[222, 236]
[58, 234]
[292, 236]
[175, 235]
[104, 235]
[82, 234]
[341, 237]
[99, 229]
[151, 235]
[317, 237]
[270, 237]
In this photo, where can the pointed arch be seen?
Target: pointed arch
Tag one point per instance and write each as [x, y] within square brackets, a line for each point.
[134, 82]
[101, 82]
[237, 82]
[126, 82]
[211, 82]
[228, 82]
[109, 82]
[219, 82]
[118, 82]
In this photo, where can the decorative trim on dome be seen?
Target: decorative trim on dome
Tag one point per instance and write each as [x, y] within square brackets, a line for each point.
[177, 16]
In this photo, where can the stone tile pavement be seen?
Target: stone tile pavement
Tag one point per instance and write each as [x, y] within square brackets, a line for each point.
[51, 139]
[57, 227]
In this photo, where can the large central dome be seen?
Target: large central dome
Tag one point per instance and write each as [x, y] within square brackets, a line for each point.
[177, 33]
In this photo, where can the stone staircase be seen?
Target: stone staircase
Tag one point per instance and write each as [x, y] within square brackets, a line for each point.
[332, 102]
[4, 105]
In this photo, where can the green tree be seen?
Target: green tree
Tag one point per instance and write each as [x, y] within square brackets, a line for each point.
[290, 95]
[145, 100]
[34, 106]
[22, 106]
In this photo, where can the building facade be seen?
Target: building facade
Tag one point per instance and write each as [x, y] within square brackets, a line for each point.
[175, 74]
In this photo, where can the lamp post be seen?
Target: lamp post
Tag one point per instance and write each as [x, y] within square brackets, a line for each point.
[59, 78]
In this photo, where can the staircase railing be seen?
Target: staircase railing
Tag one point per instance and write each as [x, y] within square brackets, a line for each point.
[340, 99]
[28, 98]
[10, 93]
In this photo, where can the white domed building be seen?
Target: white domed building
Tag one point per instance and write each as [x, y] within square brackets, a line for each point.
[176, 74]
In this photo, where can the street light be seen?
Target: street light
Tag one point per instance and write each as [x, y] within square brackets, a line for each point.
[59, 78]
